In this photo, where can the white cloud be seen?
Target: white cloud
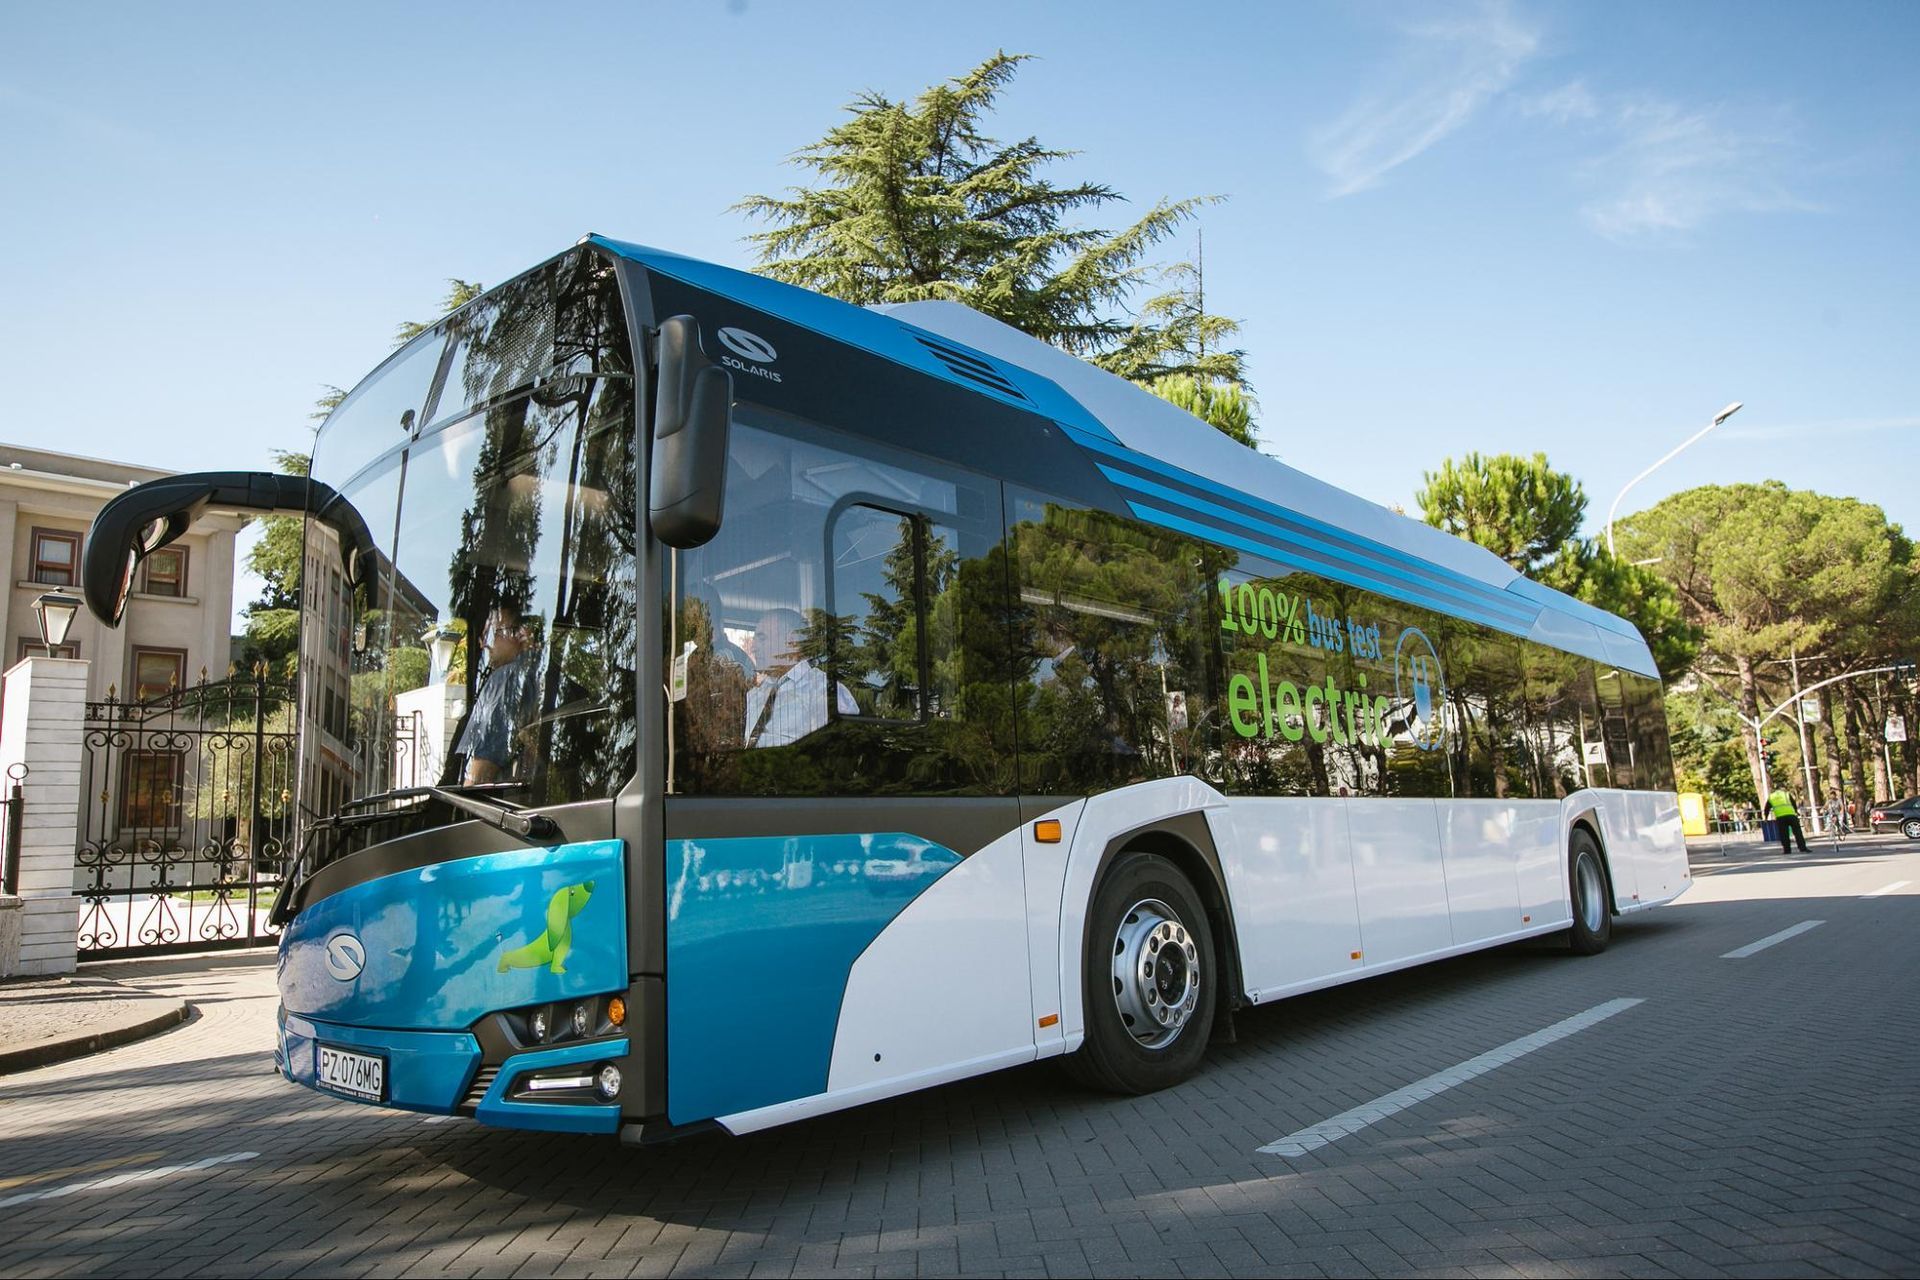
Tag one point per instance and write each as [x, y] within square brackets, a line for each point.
[1671, 167]
[1569, 102]
[1443, 75]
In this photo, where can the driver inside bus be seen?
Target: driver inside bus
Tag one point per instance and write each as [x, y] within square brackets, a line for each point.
[788, 699]
[504, 706]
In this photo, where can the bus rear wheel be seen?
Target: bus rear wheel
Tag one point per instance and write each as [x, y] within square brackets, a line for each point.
[1150, 979]
[1592, 909]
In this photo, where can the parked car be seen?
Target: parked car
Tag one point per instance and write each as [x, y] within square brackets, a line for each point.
[1902, 816]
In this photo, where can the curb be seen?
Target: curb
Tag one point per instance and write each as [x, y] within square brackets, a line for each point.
[51, 1051]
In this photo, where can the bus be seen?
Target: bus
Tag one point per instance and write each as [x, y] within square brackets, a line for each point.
[722, 705]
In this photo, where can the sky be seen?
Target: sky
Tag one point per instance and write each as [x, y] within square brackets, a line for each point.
[1580, 229]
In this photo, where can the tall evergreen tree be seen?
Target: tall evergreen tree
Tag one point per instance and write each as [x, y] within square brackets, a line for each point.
[917, 201]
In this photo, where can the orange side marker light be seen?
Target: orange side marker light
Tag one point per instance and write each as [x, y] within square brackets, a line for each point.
[1354, 956]
[1050, 1020]
[1047, 831]
[617, 1011]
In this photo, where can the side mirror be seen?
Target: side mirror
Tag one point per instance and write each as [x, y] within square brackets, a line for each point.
[692, 416]
[149, 516]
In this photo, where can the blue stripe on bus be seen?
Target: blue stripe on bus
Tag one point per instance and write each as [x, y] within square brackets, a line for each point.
[1261, 547]
[1385, 578]
[1319, 528]
[762, 932]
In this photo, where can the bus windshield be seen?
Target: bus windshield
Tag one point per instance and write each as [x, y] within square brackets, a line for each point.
[493, 641]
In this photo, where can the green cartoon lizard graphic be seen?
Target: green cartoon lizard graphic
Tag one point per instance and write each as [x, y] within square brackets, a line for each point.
[551, 947]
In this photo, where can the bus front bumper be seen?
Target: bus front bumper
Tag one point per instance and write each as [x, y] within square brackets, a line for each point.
[440, 1072]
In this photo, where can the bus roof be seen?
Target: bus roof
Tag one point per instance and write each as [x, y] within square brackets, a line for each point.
[1170, 465]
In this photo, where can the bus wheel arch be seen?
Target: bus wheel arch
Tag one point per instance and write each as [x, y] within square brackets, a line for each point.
[1589, 821]
[1186, 841]
[1586, 850]
[1181, 842]
[1150, 977]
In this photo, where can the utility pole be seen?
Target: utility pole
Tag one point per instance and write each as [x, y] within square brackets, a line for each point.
[1806, 755]
[1886, 747]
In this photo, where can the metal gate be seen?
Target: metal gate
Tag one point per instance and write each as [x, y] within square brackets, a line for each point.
[186, 817]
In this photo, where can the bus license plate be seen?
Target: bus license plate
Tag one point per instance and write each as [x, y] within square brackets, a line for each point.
[358, 1075]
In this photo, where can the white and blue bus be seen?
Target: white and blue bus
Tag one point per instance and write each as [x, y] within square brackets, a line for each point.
[722, 705]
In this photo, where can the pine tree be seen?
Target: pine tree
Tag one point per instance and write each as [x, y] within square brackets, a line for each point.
[459, 294]
[916, 201]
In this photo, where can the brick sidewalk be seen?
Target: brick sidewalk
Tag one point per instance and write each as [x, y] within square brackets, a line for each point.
[1751, 1117]
[47, 1020]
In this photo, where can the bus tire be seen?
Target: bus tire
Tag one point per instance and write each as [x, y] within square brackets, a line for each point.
[1151, 979]
[1592, 908]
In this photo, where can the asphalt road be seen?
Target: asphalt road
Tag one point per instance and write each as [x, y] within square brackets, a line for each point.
[1684, 1104]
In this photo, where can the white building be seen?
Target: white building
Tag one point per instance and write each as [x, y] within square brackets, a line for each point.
[179, 618]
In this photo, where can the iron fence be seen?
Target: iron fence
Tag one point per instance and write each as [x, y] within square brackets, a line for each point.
[187, 817]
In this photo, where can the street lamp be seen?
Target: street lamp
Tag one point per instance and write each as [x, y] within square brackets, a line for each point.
[56, 613]
[1718, 418]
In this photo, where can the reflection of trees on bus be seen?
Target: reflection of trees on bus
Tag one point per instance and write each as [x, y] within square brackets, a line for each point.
[547, 528]
[1080, 628]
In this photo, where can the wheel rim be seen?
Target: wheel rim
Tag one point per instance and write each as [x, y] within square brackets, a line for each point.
[1593, 897]
[1156, 973]
[1911, 829]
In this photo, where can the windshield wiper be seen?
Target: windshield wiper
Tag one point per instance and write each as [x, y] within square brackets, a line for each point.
[468, 799]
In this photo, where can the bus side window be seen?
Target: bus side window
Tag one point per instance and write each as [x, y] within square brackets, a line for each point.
[845, 632]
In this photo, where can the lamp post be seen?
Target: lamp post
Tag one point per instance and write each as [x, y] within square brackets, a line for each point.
[1718, 418]
[56, 613]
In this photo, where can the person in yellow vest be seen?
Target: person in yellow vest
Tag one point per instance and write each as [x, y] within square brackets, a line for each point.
[1787, 818]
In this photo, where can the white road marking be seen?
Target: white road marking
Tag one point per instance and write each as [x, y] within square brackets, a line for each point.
[122, 1179]
[1886, 889]
[1349, 1122]
[1743, 952]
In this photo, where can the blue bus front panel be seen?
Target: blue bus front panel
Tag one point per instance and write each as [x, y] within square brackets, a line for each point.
[403, 966]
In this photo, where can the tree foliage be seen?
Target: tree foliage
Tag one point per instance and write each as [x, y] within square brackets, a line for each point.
[1529, 515]
[1520, 509]
[916, 201]
[1225, 406]
[273, 619]
[1772, 575]
[459, 294]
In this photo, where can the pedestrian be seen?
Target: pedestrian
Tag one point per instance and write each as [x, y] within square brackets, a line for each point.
[1787, 818]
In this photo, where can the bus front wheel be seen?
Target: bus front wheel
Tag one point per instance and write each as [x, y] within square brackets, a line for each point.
[1592, 909]
[1150, 979]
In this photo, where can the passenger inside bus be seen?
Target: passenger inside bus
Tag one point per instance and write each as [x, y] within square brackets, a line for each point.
[789, 699]
[497, 732]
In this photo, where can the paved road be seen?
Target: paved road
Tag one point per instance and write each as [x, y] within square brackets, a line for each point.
[1749, 1116]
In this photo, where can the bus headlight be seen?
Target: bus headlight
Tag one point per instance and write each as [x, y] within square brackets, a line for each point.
[608, 1082]
[538, 1024]
[582, 1020]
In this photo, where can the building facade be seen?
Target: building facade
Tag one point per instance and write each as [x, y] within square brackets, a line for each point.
[179, 618]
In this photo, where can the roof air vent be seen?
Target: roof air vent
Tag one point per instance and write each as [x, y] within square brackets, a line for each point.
[972, 368]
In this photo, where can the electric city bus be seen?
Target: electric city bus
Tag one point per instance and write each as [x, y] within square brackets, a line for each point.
[722, 705]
